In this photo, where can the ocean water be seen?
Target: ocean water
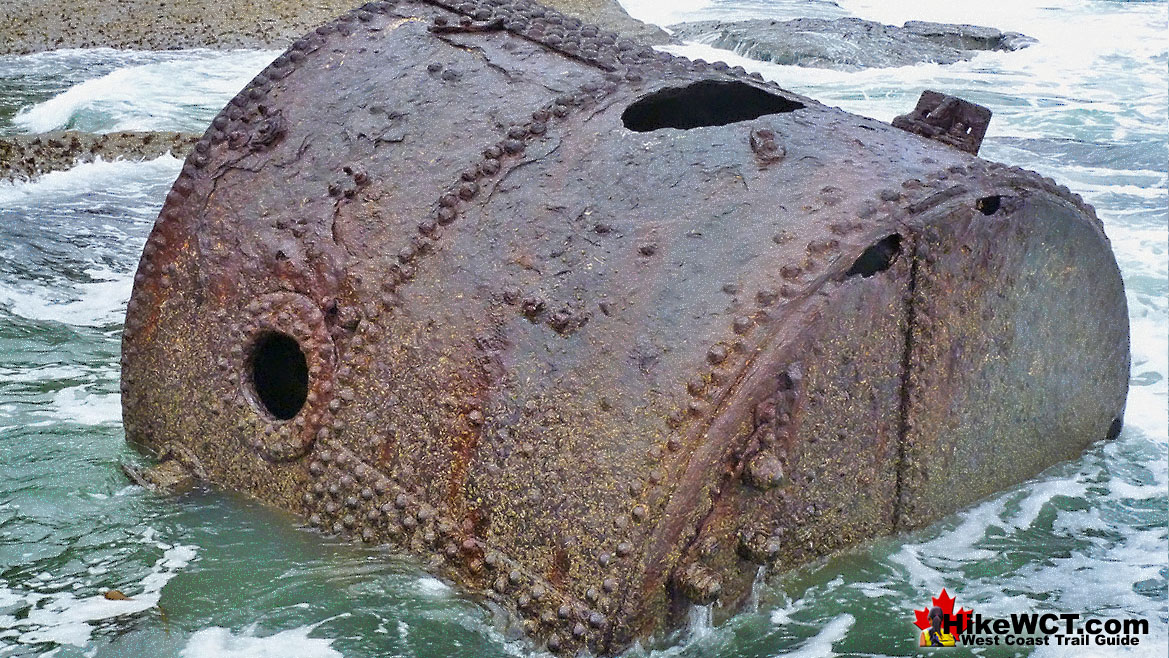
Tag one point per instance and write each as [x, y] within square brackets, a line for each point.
[211, 574]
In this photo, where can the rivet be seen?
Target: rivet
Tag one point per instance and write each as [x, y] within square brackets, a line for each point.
[764, 471]
[695, 386]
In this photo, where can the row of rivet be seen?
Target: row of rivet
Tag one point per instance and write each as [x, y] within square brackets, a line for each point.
[764, 470]
[350, 498]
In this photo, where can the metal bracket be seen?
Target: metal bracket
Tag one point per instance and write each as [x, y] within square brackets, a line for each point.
[947, 119]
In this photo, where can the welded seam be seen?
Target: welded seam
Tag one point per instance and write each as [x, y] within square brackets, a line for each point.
[903, 425]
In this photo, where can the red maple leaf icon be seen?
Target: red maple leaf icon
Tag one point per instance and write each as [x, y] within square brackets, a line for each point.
[946, 603]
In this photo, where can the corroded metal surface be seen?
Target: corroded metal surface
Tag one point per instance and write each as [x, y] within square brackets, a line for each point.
[949, 120]
[596, 331]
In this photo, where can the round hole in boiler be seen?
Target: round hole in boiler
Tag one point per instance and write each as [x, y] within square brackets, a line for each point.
[279, 375]
[704, 103]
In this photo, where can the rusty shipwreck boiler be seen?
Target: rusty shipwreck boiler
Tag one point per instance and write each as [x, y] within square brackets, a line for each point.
[596, 331]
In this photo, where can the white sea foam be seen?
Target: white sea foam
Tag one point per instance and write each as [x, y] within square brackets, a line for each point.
[1040, 495]
[65, 619]
[433, 587]
[99, 299]
[700, 622]
[821, 644]
[183, 91]
[79, 405]
[216, 642]
[663, 13]
[99, 303]
[122, 178]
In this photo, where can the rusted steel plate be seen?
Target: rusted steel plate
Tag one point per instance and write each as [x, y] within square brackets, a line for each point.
[597, 332]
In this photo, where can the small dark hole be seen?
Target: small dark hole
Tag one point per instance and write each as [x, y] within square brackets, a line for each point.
[280, 375]
[878, 257]
[1115, 427]
[705, 103]
[989, 205]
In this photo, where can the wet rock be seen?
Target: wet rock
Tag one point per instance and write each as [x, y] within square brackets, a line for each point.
[28, 26]
[850, 43]
[23, 157]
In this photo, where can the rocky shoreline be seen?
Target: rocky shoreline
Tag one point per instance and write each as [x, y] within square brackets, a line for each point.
[24, 157]
[850, 44]
[28, 26]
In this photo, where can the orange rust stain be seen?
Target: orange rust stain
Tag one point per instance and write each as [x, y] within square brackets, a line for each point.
[558, 572]
[462, 450]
